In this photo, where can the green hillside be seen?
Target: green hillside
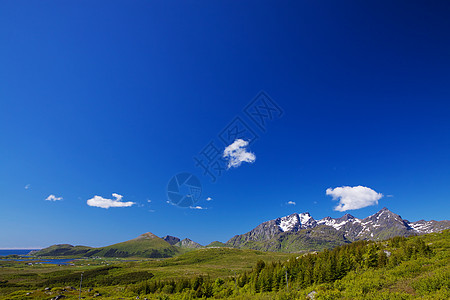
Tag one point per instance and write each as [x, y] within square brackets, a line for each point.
[63, 250]
[146, 245]
[217, 244]
[213, 262]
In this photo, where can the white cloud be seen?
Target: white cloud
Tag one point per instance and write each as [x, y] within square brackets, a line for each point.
[208, 199]
[28, 186]
[101, 202]
[149, 200]
[196, 207]
[236, 153]
[117, 196]
[53, 198]
[291, 203]
[353, 197]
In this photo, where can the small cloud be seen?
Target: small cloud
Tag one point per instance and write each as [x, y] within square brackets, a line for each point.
[196, 207]
[151, 210]
[149, 200]
[117, 196]
[170, 203]
[389, 196]
[353, 197]
[28, 186]
[208, 199]
[53, 198]
[101, 202]
[291, 203]
[236, 153]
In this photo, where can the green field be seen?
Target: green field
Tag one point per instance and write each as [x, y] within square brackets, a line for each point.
[399, 268]
[17, 279]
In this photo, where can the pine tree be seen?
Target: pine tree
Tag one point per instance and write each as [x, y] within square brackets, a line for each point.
[372, 256]
[243, 279]
[382, 259]
[343, 265]
[260, 264]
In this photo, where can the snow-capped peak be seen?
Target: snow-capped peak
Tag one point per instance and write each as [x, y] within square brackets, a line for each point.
[296, 222]
[305, 217]
[289, 223]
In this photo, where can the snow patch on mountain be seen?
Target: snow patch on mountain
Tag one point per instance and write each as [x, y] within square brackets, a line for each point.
[419, 226]
[423, 227]
[338, 223]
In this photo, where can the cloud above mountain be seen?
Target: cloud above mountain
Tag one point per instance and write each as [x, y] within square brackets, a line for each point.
[101, 202]
[353, 197]
[236, 154]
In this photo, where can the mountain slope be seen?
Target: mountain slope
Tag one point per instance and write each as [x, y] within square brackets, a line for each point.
[317, 238]
[272, 228]
[382, 225]
[424, 227]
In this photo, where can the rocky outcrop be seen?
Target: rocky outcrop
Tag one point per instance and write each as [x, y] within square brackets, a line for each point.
[187, 243]
[171, 239]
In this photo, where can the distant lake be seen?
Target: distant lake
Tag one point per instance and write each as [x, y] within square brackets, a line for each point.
[54, 261]
[24, 252]
[15, 251]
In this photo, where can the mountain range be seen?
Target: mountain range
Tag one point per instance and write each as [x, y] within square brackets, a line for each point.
[293, 233]
[302, 232]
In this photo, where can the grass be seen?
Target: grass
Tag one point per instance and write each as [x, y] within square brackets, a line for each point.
[214, 262]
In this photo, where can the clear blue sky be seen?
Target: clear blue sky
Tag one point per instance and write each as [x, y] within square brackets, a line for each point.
[103, 97]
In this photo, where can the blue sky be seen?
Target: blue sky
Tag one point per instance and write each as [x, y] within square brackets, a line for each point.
[117, 97]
